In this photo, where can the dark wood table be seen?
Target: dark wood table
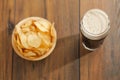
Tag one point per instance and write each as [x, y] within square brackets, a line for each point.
[69, 61]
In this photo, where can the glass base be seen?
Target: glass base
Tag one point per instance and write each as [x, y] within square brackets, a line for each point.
[88, 47]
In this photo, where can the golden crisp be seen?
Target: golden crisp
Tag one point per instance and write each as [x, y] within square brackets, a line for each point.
[40, 27]
[30, 54]
[33, 40]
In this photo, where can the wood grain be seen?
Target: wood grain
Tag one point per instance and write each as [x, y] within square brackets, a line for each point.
[6, 19]
[69, 60]
[65, 14]
[102, 64]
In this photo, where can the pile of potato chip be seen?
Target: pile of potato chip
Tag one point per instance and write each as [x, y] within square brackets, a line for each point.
[34, 38]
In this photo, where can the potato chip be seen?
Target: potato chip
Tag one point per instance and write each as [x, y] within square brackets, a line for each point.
[27, 24]
[19, 48]
[25, 29]
[32, 28]
[37, 52]
[23, 39]
[29, 33]
[52, 30]
[33, 40]
[46, 39]
[40, 27]
[51, 44]
[30, 54]
[18, 42]
[26, 50]
[45, 24]
[43, 50]
[18, 30]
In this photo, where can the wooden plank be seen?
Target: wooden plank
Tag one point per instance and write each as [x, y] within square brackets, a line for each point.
[23, 69]
[6, 26]
[103, 64]
[65, 14]
[63, 63]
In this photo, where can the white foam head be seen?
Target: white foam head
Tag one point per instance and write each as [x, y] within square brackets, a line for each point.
[95, 24]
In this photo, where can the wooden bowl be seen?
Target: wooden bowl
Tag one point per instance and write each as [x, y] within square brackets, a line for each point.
[37, 58]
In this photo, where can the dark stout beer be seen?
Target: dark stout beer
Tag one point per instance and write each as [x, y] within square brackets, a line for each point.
[94, 28]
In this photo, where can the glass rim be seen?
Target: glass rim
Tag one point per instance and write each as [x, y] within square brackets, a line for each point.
[93, 36]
